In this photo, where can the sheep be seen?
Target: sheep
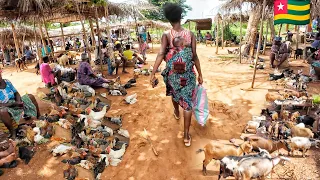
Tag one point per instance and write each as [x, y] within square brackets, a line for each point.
[63, 60]
[229, 163]
[269, 145]
[252, 126]
[218, 151]
[300, 132]
[302, 144]
[257, 167]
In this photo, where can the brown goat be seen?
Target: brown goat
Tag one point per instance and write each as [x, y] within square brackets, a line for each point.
[267, 144]
[299, 132]
[217, 151]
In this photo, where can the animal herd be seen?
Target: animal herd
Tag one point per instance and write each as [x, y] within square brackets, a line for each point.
[273, 130]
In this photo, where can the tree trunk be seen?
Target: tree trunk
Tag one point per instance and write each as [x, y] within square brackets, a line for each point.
[217, 37]
[253, 27]
[92, 33]
[265, 39]
[62, 35]
[16, 40]
[272, 30]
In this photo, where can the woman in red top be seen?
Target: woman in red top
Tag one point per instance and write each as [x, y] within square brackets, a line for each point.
[179, 75]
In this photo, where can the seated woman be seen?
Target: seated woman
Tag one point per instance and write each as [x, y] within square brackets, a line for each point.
[86, 76]
[279, 52]
[29, 55]
[13, 106]
[47, 74]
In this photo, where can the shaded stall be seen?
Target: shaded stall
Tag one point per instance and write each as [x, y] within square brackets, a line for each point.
[201, 24]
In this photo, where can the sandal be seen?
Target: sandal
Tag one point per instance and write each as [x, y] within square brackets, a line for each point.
[187, 142]
[175, 116]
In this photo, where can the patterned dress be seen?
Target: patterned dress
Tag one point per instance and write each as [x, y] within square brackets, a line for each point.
[85, 78]
[180, 84]
[7, 96]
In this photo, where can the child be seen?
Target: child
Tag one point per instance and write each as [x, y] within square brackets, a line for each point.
[47, 74]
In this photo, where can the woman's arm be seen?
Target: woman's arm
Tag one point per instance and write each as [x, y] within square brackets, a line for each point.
[160, 56]
[196, 58]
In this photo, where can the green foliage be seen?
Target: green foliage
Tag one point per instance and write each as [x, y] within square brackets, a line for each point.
[158, 15]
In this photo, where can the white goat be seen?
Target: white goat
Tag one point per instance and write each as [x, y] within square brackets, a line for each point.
[257, 167]
[229, 163]
[301, 143]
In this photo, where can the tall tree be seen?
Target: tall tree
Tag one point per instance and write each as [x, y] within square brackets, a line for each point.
[158, 15]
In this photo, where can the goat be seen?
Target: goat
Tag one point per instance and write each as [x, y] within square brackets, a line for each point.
[298, 53]
[269, 145]
[257, 167]
[299, 132]
[285, 115]
[218, 151]
[229, 163]
[294, 116]
[21, 63]
[302, 144]
[307, 120]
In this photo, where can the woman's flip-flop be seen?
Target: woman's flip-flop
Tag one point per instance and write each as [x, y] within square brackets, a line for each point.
[187, 143]
[175, 116]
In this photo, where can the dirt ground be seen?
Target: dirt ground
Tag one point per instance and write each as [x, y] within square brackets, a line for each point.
[231, 106]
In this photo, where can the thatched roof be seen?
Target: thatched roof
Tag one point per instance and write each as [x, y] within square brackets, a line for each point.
[236, 17]
[147, 23]
[202, 24]
[62, 9]
[6, 34]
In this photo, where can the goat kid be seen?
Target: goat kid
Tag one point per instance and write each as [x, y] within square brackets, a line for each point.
[217, 151]
[257, 167]
[229, 163]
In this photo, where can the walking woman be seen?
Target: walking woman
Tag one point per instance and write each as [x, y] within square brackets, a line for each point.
[179, 75]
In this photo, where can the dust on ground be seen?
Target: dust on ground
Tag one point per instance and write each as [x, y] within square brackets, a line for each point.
[231, 106]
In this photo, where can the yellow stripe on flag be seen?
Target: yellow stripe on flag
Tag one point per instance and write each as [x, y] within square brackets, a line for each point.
[292, 17]
[298, 8]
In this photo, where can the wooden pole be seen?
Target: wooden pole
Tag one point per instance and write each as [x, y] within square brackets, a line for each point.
[280, 30]
[287, 27]
[297, 37]
[63, 39]
[222, 34]
[92, 33]
[106, 16]
[217, 36]
[99, 38]
[43, 40]
[259, 43]
[240, 31]
[36, 39]
[304, 43]
[49, 44]
[265, 39]
[15, 40]
[22, 43]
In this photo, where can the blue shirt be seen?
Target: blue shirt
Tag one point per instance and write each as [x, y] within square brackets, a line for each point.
[316, 44]
[43, 52]
[7, 93]
[28, 53]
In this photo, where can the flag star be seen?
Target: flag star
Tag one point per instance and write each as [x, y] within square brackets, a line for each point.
[280, 6]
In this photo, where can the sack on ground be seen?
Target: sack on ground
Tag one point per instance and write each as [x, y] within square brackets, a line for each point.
[201, 105]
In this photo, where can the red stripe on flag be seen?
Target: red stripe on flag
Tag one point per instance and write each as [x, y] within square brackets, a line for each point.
[280, 7]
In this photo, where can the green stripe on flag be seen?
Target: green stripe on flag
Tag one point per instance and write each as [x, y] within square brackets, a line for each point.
[293, 12]
[299, 3]
[289, 21]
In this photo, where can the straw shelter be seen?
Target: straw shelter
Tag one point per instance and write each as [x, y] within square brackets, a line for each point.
[201, 24]
[22, 32]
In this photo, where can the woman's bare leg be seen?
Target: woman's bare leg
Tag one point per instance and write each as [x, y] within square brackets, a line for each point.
[7, 121]
[34, 101]
[176, 108]
[187, 121]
